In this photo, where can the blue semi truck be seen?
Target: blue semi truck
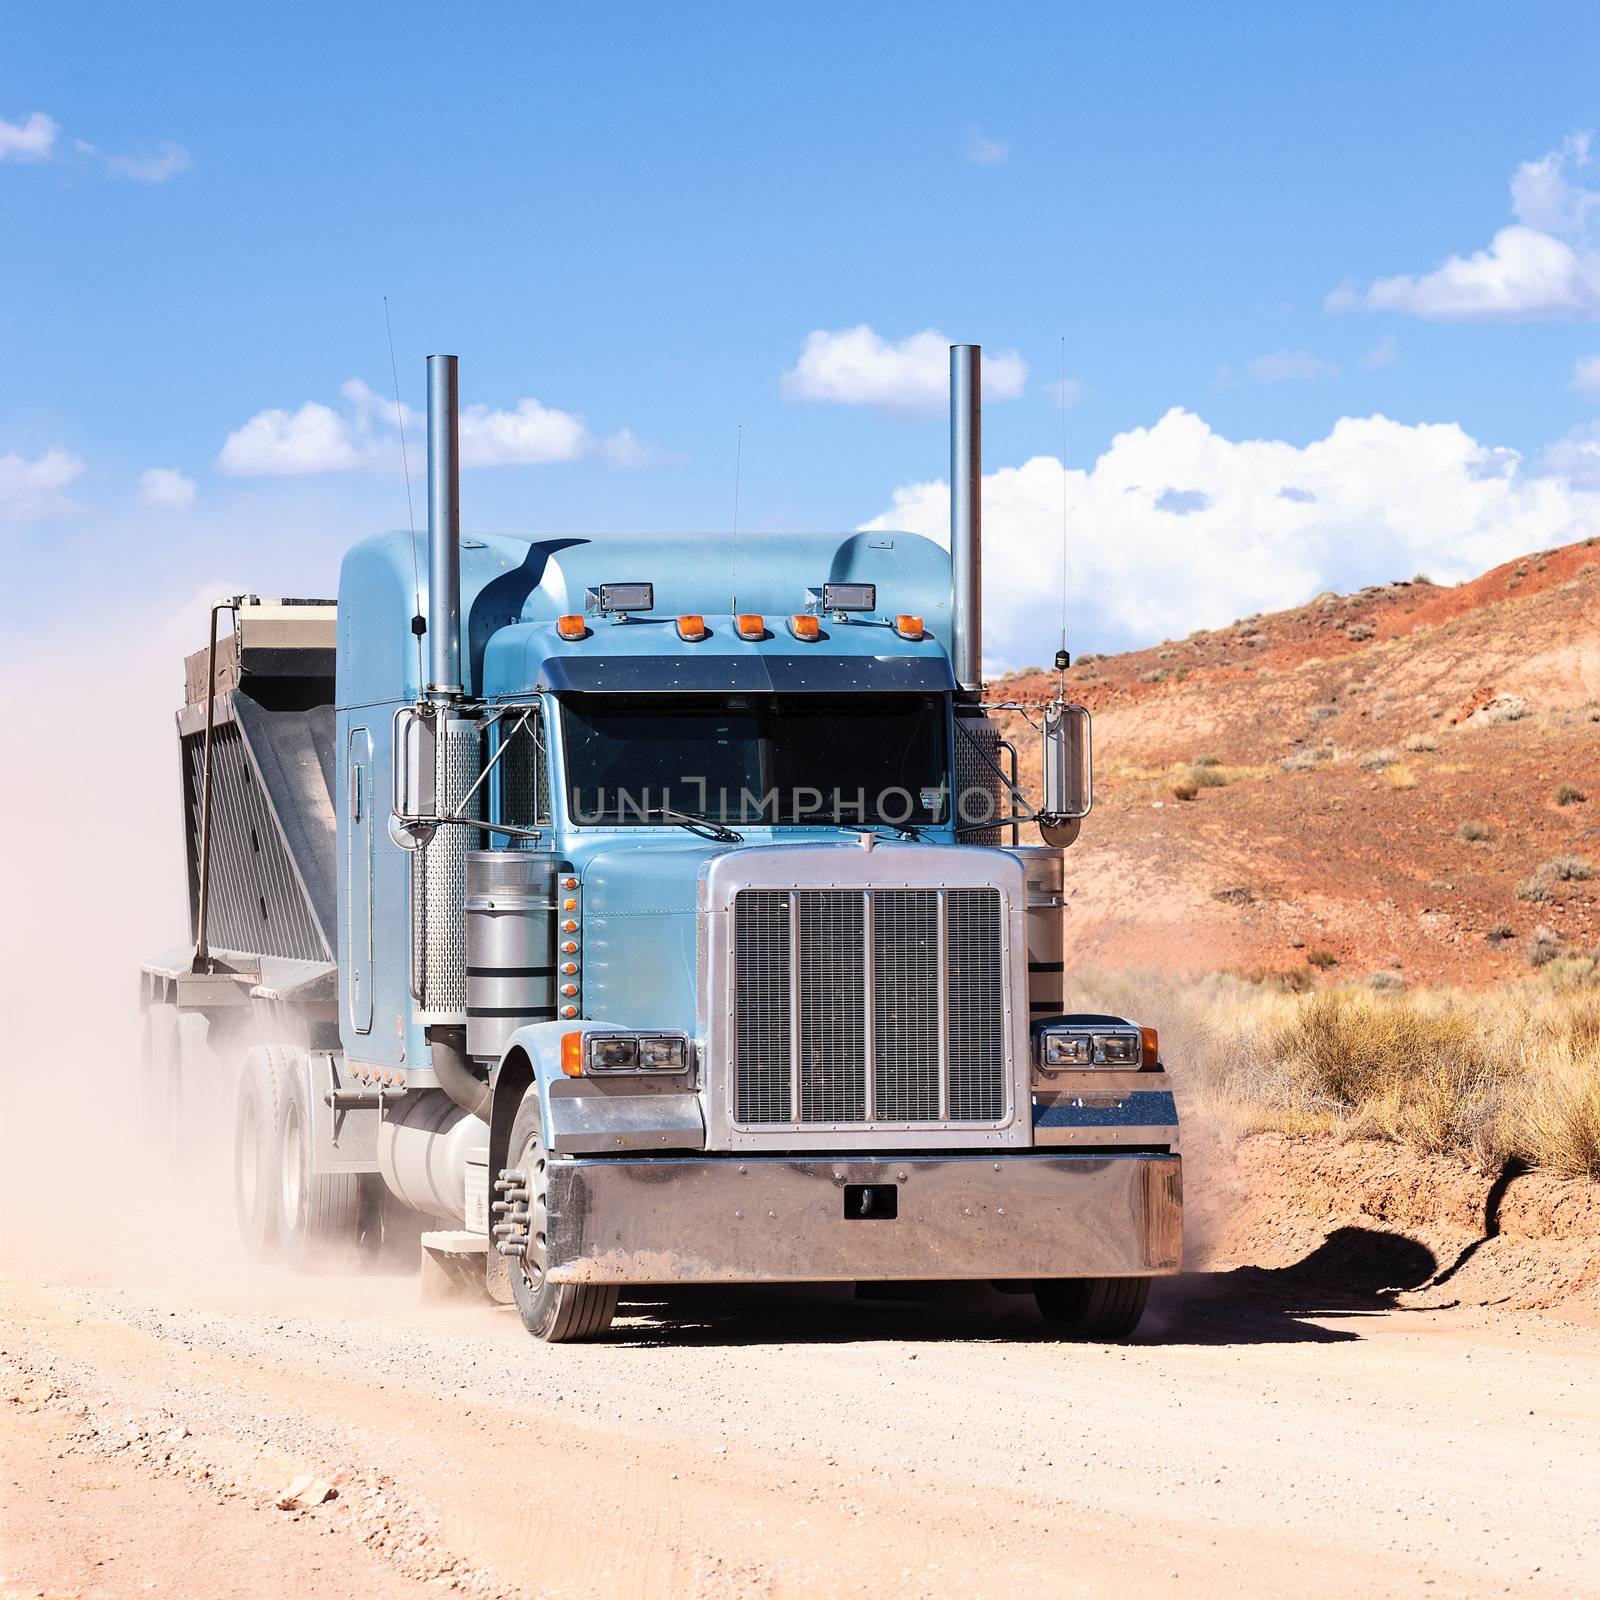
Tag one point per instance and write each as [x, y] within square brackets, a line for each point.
[650, 910]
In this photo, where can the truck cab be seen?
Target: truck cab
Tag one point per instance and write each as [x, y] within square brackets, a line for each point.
[684, 935]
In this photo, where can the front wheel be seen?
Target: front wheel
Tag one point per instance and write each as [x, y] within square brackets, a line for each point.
[555, 1312]
[1101, 1310]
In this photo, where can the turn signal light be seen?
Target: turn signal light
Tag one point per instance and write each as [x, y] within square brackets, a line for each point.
[908, 627]
[751, 627]
[572, 1053]
[571, 627]
[691, 628]
[1149, 1049]
[805, 627]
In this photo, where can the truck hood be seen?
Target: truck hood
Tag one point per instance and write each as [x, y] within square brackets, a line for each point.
[639, 913]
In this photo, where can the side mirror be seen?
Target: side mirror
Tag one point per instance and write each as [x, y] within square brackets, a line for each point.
[415, 804]
[1068, 763]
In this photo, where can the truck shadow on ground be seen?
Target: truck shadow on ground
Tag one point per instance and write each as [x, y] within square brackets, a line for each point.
[1354, 1272]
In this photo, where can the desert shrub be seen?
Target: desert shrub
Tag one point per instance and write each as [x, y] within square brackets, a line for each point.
[1321, 959]
[1423, 578]
[1359, 631]
[1207, 761]
[1401, 777]
[1208, 777]
[1568, 869]
[1323, 713]
[1544, 945]
[1472, 832]
[1509, 1072]
[1384, 980]
[1374, 760]
[1499, 933]
[1569, 794]
[1534, 889]
[1304, 760]
[1421, 743]
[1185, 791]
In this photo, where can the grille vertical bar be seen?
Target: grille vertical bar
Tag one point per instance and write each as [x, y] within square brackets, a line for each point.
[976, 997]
[905, 1004]
[832, 1006]
[763, 1034]
[869, 1006]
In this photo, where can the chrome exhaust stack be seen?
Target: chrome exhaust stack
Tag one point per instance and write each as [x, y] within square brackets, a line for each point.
[444, 530]
[966, 514]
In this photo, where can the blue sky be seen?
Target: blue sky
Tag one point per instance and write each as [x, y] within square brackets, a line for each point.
[635, 217]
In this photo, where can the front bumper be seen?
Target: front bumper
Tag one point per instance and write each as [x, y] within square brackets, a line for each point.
[746, 1219]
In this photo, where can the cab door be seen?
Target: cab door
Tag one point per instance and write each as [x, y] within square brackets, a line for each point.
[358, 869]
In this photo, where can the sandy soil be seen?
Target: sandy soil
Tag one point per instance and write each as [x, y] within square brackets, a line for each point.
[1338, 1404]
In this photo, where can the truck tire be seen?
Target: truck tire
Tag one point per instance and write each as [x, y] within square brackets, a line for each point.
[1103, 1310]
[161, 1072]
[319, 1212]
[558, 1313]
[257, 1111]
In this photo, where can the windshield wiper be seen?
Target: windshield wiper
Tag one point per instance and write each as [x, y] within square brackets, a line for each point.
[703, 826]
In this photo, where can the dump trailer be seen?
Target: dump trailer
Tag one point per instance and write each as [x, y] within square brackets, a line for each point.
[637, 911]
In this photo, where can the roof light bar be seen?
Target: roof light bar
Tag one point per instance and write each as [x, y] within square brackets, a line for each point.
[849, 597]
[626, 597]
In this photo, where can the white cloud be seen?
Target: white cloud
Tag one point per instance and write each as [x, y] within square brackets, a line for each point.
[1576, 458]
[30, 489]
[1383, 354]
[365, 433]
[1177, 527]
[1586, 376]
[152, 166]
[855, 367]
[33, 140]
[166, 489]
[985, 152]
[1546, 264]
[1289, 366]
[277, 443]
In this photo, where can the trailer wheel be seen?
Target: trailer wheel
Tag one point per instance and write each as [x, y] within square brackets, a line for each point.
[319, 1212]
[255, 1149]
[555, 1312]
[1100, 1309]
[161, 1076]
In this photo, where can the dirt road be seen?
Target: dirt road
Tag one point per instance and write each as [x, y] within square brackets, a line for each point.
[1267, 1434]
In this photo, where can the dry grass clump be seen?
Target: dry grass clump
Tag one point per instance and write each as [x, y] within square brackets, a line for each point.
[1471, 832]
[1512, 1072]
[1569, 794]
[1420, 744]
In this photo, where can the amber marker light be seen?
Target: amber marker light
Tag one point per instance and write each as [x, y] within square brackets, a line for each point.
[1149, 1048]
[691, 629]
[571, 627]
[751, 627]
[805, 627]
[572, 1054]
[908, 627]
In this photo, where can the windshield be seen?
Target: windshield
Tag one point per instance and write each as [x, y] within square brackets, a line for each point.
[754, 759]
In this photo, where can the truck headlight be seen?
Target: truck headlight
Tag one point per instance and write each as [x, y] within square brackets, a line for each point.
[1064, 1049]
[624, 1052]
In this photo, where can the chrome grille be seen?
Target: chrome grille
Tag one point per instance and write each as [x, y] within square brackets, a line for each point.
[869, 1006]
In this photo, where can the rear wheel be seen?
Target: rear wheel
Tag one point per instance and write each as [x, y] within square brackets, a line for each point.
[1098, 1309]
[257, 1112]
[555, 1312]
[319, 1212]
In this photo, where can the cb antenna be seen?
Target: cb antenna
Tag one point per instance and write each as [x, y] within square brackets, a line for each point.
[1063, 657]
[733, 561]
[405, 466]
